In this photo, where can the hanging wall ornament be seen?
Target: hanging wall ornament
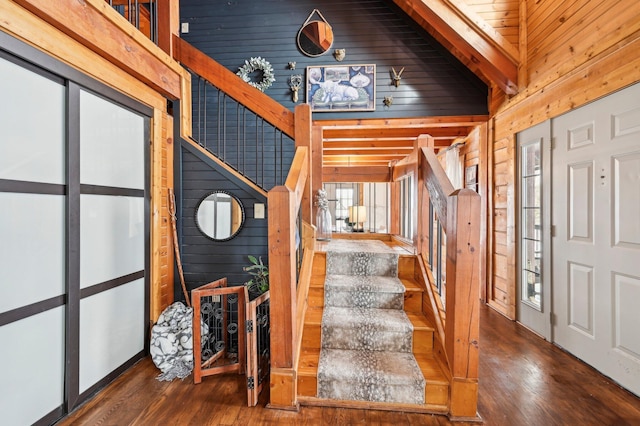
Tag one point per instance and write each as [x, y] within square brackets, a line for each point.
[257, 64]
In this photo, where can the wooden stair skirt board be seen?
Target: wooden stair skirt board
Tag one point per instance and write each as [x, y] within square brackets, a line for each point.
[365, 342]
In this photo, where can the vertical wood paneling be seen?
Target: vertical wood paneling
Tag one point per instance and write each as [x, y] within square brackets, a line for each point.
[475, 154]
[578, 51]
[500, 14]
[372, 32]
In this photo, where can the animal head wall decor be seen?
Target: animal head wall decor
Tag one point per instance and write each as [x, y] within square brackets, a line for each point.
[387, 101]
[339, 54]
[396, 77]
[295, 81]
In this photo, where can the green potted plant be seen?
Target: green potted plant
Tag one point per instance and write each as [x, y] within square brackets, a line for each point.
[259, 282]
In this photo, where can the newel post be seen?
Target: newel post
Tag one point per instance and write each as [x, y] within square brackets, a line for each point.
[303, 137]
[282, 287]
[168, 23]
[463, 280]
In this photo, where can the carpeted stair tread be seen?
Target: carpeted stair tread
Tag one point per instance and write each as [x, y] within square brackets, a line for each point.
[366, 329]
[370, 376]
[364, 283]
[364, 291]
[366, 336]
[362, 263]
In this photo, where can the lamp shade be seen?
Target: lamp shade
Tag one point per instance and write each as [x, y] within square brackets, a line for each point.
[357, 214]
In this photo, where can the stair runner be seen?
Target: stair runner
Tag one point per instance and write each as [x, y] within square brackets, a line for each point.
[366, 350]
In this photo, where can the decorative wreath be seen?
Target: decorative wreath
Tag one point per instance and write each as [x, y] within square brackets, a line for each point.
[257, 64]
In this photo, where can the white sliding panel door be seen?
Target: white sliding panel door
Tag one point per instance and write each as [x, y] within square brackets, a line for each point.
[112, 237]
[32, 244]
[74, 235]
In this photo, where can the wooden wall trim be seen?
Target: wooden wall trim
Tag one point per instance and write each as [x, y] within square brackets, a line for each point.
[25, 26]
[491, 59]
[100, 28]
[484, 29]
[523, 47]
[161, 239]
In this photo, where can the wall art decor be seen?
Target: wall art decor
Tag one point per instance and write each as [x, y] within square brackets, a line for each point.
[341, 88]
[471, 177]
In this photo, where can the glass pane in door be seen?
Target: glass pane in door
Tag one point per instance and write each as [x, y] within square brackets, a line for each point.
[531, 221]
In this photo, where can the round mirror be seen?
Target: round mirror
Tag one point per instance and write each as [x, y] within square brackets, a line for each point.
[219, 216]
[315, 38]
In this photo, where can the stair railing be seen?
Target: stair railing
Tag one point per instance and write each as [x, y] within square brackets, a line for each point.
[458, 212]
[237, 123]
[142, 14]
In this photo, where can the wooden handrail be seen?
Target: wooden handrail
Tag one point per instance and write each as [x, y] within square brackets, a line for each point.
[306, 270]
[256, 101]
[298, 173]
[459, 213]
[436, 181]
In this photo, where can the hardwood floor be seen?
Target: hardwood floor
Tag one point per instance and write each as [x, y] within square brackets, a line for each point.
[523, 381]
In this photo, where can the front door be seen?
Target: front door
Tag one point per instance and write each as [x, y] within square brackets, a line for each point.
[596, 247]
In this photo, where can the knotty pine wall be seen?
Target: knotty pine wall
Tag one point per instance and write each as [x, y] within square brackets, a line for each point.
[23, 25]
[503, 15]
[576, 51]
[474, 153]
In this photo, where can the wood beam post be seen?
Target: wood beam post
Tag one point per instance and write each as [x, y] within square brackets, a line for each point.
[282, 286]
[317, 173]
[128, 49]
[462, 302]
[168, 23]
[394, 222]
[304, 137]
[423, 141]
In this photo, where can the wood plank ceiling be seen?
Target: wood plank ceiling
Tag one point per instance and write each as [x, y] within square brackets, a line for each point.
[380, 142]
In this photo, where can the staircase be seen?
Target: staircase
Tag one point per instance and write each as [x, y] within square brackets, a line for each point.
[365, 341]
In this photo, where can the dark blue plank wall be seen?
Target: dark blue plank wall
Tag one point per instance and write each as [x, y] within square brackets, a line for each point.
[203, 259]
[372, 31]
[434, 83]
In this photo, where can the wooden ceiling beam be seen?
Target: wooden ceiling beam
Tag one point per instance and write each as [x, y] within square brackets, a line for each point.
[396, 133]
[357, 158]
[368, 143]
[374, 151]
[403, 123]
[496, 59]
[356, 173]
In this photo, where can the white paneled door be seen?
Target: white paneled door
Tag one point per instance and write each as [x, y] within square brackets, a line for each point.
[596, 247]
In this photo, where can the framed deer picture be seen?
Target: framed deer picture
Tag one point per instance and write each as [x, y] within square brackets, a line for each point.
[341, 88]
